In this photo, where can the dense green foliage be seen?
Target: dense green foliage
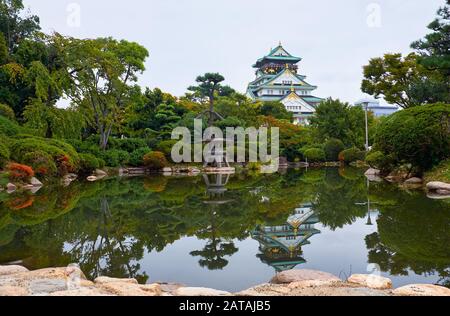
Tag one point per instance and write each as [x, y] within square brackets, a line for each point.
[352, 155]
[333, 147]
[419, 136]
[155, 160]
[4, 153]
[314, 155]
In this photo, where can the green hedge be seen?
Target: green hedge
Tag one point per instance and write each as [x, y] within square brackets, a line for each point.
[352, 155]
[88, 163]
[7, 112]
[115, 158]
[137, 156]
[155, 160]
[42, 163]
[4, 153]
[419, 136]
[315, 155]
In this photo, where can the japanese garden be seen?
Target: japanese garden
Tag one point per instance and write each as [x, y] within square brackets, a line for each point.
[92, 198]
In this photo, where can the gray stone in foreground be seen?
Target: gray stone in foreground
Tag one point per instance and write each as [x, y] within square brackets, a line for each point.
[104, 280]
[8, 270]
[422, 290]
[302, 275]
[199, 291]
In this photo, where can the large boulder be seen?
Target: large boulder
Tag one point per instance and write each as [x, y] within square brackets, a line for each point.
[435, 186]
[371, 281]
[422, 290]
[303, 275]
[8, 270]
[130, 289]
[100, 173]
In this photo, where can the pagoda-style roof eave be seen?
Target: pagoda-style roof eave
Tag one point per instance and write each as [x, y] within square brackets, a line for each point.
[260, 61]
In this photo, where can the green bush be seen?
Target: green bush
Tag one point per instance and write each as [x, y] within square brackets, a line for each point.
[88, 163]
[7, 112]
[41, 162]
[9, 128]
[166, 147]
[419, 136]
[352, 155]
[137, 156]
[315, 155]
[130, 144]
[378, 160]
[333, 147]
[63, 155]
[4, 153]
[155, 160]
[115, 158]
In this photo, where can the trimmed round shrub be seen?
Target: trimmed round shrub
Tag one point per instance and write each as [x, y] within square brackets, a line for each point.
[63, 154]
[419, 136]
[7, 112]
[41, 162]
[19, 172]
[333, 147]
[352, 155]
[315, 155]
[137, 156]
[115, 158]
[88, 163]
[4, 153]
[155, 160]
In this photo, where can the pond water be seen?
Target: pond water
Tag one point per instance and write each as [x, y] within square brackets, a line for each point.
[230, 232]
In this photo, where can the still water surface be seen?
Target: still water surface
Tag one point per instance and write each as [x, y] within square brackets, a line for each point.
[233, 232]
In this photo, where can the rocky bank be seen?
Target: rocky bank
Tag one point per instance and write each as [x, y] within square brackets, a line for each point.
[70, 281]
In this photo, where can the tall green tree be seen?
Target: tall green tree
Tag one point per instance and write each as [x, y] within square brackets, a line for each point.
[15, 25]
[208, 86]
[103, 74]
[434, 48]
[338, 120]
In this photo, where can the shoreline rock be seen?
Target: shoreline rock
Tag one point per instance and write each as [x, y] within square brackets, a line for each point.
[70, 281]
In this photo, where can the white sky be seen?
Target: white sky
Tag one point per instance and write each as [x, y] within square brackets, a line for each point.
[186, 38]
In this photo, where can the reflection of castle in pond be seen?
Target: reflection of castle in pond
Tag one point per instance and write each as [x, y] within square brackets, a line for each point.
[281, 246]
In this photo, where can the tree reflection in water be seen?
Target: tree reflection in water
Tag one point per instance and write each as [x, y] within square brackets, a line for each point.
[109, 227]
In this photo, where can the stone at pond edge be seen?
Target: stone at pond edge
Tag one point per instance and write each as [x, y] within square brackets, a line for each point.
[92, 178]
[11, 187]
[130, 289]
[371, 281]
[434, 186]
[372, 172]
[35, 182]
[302, 275]
[422, 290]
[100, 173]
[199, 291]
[13, 291]
[414, 181]
[104, 280]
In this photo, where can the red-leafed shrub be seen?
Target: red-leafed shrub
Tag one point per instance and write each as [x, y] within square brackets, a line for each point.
[18, 172]
[155, 160]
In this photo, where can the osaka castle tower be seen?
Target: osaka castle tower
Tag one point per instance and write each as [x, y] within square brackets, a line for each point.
[277, 79]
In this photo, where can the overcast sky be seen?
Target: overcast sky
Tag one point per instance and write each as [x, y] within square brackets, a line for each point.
[186, 38]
